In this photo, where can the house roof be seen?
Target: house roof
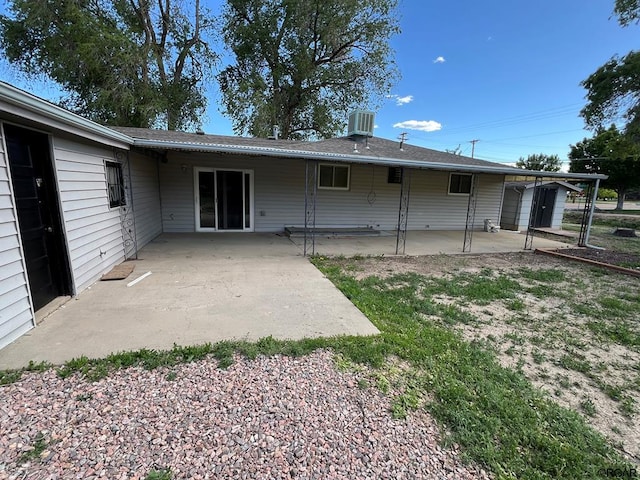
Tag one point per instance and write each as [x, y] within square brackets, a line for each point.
[377, 151]
[20, 104]
[525, 185]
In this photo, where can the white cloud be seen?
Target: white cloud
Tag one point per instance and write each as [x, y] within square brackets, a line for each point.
[422, 125]
[404, 100]
[401, 100]
[439, 60]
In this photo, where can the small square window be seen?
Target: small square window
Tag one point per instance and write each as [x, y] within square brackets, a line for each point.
[460, 183]
[115, 184]
[335, 177]
[394, 175]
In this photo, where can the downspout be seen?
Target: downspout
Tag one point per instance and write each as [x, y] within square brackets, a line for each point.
[590, 220]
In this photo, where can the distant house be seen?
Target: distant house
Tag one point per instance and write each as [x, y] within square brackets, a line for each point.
[77, 198]
[547, 209]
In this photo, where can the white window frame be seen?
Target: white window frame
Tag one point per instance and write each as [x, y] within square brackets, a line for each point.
[334, 165]
[463, 194]
[196, 199]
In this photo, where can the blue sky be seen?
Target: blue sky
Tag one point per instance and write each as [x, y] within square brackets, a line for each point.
[506, 73]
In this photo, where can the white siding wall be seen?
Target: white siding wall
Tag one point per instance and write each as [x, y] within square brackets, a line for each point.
[510, 210]
[370, 201]
[145, 188]
[558, 208]
[16, 316]
[525, 209]
[93, 230]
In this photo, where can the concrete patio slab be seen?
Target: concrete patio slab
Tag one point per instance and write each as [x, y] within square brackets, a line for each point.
[211, 287]
[428, 243]
[202, 288]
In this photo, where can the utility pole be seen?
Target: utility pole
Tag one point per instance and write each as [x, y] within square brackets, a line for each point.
[402, 138]
[473, 146]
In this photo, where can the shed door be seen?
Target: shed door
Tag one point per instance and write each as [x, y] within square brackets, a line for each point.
[546, 202]
[36, 197]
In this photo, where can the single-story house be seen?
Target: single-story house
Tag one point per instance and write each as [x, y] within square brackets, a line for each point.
[548, 208]
[77, 198]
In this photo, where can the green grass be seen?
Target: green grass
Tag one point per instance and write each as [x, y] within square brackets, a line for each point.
[546, 275]
[606, 221]
[494, 413]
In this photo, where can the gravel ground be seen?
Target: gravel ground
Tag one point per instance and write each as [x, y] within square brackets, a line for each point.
[275, 417]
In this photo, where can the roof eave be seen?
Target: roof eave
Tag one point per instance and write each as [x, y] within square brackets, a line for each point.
[26, 101]
[339, 157]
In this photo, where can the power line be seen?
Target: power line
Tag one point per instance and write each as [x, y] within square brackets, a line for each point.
[527, 117]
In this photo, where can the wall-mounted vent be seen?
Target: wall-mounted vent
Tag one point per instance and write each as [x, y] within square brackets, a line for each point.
[361, 123]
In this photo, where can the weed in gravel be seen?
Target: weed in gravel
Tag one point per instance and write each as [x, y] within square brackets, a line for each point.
[14, 375]
[171, 376]
[588, 407]
[40, 444]
[619, 332]
[162, 474]
[383, 383]
[404, 403]
[516, 305]
[628, 406]
[10, 376]
[574, 361]
[538, 357]
[83, 397]
[363, 383]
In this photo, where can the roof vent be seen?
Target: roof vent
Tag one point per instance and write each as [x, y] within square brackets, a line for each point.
[361, 123]
[200, 132]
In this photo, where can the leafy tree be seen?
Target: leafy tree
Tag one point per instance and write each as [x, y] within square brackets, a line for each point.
[302, 65]
[613, 91]
[540, 161]
[628, 11]
[612, 153]
[122, 62]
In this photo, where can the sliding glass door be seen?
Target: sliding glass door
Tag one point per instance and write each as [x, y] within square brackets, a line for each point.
[224, 200]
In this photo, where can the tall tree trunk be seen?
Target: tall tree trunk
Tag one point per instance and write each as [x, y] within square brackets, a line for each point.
[622, 193]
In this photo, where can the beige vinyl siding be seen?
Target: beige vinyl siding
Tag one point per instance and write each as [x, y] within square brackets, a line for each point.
[370, 201]
[558, 208]
[16, 315]
[510, 209]
[93, 230]
[525, 209]
[145, 187]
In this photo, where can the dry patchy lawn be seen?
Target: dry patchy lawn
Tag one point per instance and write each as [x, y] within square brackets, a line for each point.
[573, 330]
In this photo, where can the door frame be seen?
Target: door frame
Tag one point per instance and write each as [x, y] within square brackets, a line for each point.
[196, 198]
[67, 277]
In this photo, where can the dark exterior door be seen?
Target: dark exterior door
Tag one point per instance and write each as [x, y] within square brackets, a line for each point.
[544, 210]
[36, 198]
[230, 200]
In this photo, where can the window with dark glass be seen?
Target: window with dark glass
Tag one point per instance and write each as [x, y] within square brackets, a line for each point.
[115, 184]
[460, 183]
[334, 177]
